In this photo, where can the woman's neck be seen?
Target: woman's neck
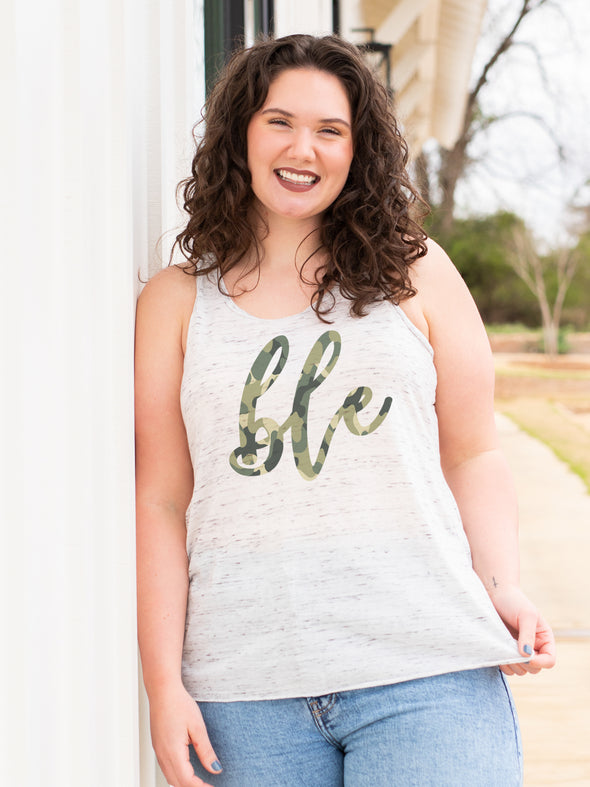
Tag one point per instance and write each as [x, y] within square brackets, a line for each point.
[284, 283]
[288, 246]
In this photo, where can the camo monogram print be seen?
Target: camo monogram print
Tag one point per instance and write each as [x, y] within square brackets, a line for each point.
[265, 433]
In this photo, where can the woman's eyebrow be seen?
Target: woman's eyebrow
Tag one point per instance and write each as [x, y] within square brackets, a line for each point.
[335, 120]
[278, 110]
[275, 110]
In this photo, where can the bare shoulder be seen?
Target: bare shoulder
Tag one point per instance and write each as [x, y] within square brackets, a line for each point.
[172, 286]
[436, 281]
[168, 299]
[442, 295]
[434, 269]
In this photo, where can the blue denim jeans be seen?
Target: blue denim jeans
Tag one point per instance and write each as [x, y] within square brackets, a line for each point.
[453, 730]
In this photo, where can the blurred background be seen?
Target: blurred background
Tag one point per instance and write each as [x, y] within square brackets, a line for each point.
[99, 100]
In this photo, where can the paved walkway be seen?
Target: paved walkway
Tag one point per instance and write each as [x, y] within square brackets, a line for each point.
[554, 706]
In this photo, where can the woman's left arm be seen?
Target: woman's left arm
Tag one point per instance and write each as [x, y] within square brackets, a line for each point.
[473, 465]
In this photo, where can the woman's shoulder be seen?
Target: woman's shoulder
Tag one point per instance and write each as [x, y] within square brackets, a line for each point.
[435, 277]
[168, 299]
[173, 289]
[435, 263]
[441, 294]
[172, 282]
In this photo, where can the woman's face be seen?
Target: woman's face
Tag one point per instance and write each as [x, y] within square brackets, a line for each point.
[300, 144]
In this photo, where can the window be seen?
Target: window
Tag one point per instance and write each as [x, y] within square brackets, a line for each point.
[228, 25]
[336, 16]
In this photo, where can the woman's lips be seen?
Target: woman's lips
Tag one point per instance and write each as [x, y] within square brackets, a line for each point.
[296, 180]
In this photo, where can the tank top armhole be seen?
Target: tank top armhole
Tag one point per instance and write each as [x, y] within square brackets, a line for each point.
[414, 329]
[192, 318]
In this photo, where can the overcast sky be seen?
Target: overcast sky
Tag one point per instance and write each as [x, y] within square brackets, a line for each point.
[520, 169]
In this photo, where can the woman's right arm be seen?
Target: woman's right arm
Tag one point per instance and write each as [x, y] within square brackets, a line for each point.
[164, 482]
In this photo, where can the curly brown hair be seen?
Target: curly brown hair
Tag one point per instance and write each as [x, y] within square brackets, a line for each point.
[370, 232]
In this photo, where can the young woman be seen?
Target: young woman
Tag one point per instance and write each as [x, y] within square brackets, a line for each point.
[327, 536]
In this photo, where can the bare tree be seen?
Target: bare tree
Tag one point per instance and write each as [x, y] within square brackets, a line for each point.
[454, 161]
[534, 269]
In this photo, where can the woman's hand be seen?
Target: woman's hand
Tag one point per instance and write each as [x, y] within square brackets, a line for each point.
[535, 638]
[176, 722]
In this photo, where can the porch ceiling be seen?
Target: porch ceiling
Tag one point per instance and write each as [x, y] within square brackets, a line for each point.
[433, 45]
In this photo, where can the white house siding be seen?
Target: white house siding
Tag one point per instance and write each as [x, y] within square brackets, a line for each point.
[98, 104]
[351, 18]
[303, 16]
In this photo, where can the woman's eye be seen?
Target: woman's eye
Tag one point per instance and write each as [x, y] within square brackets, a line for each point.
[278, 122]
[329, 130]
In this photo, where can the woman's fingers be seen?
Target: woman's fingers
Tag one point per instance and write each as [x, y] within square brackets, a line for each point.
[205, 753]
[535, 638]
[178, 770]
[539, 645]
[176, 722]
[527, 631]
[513, 669]
[202, 745]
[543, 655]
[542, 661]
[545, 645]
[190, 779]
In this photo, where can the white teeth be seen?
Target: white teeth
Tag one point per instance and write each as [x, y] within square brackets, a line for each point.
[292, 177]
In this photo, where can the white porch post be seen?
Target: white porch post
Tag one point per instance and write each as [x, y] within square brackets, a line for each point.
[99, 101]
[305, 16]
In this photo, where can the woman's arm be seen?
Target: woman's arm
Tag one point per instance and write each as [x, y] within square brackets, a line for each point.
[472, 462]
[164, 483]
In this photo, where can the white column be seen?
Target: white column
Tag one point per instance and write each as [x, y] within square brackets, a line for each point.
[99, 101]
[305, 16]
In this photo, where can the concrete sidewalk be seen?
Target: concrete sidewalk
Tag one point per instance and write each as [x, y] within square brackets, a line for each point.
[554, 706]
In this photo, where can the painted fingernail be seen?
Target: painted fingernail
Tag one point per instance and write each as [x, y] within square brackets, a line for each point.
[216, 766]
[528, 650]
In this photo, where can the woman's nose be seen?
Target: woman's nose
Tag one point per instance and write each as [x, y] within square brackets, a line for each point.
[302, 146]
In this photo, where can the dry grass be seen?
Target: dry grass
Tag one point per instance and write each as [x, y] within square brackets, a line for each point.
[550, 402]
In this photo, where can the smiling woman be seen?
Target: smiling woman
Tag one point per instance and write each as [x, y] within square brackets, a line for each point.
[329, 96]
[293, 149]
[327, 549]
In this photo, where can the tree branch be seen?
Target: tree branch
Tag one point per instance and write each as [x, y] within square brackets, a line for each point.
[539, 58]
[539, 119]
[505, 44]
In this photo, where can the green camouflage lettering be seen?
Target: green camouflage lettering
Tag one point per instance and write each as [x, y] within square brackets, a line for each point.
[249, 425]
[244, 459]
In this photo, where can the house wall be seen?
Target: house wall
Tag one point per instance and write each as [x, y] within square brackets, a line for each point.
[303, 16]
[98, 104]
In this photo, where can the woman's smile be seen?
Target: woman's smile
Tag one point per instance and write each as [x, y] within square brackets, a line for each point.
[297, 180]
[300, 144]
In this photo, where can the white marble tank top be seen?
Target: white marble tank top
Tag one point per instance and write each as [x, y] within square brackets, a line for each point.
[326, 551]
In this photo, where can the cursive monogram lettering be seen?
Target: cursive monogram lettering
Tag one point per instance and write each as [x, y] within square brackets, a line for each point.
[265, 433]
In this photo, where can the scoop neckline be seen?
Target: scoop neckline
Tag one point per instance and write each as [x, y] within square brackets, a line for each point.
[238, 309]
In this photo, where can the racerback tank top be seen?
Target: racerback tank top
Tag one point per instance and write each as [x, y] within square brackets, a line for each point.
[326, 551]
